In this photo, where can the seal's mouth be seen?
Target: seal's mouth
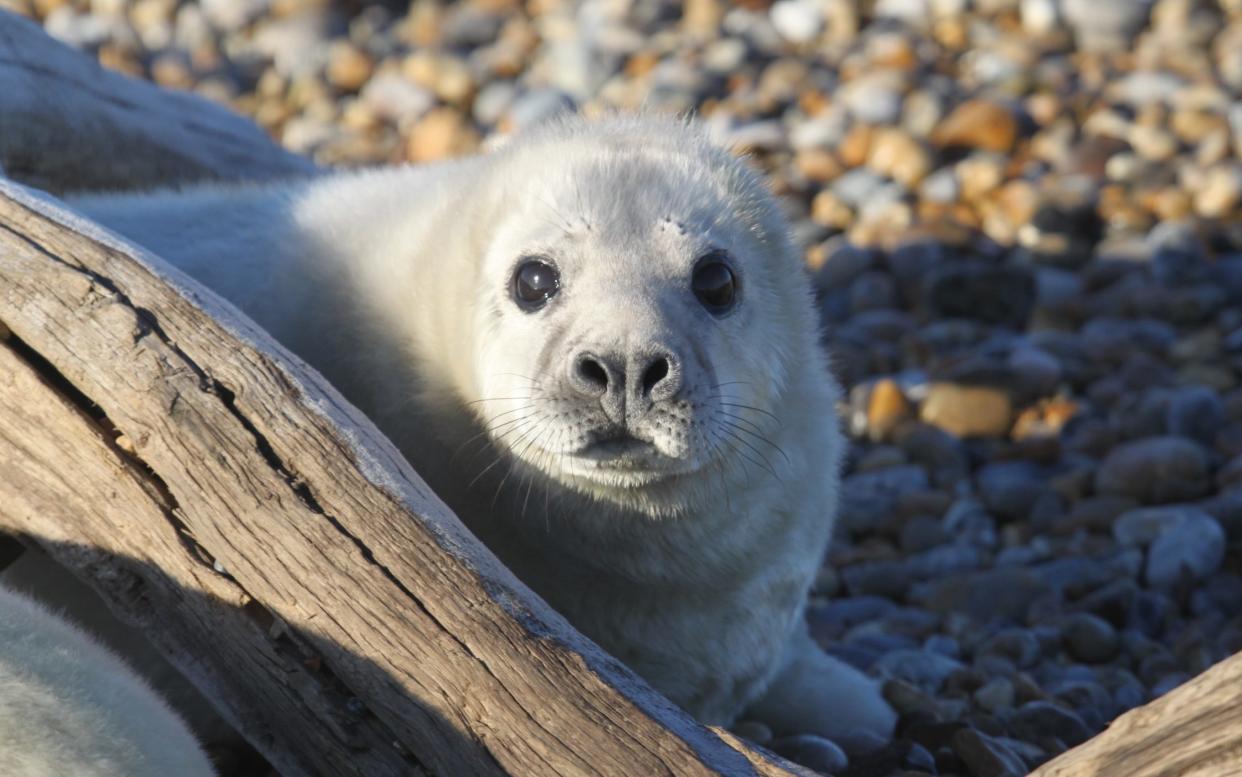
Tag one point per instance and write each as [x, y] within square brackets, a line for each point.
[621, 450]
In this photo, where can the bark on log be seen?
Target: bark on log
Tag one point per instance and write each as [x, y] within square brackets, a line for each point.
[1195, 730]
[245, 489]
[66, 123]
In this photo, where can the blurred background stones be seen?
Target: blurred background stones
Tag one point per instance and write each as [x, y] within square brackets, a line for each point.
[1023, 220]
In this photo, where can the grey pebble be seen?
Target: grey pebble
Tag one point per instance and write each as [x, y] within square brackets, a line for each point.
[1038, 719]
[1090, 638]
[984, 756]
[921, 668]
[813, 752]
[1155, 470]
[1194, 548]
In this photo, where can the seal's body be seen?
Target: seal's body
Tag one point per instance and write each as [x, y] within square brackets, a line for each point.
[70, 707]
[598, 346]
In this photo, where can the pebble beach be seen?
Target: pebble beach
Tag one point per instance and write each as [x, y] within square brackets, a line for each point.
[1023, 221]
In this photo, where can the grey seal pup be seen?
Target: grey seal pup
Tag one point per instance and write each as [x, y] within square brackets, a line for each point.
[68, 706]
[599, 347]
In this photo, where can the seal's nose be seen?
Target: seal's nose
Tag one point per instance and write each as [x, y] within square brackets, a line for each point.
[628, 383]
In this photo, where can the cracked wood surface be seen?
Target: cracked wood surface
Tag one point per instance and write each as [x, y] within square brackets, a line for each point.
[67, 123]
[396, 632]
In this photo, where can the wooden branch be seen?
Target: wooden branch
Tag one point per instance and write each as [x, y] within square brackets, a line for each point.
[1194, 730]
[66, 123]
[245, 462]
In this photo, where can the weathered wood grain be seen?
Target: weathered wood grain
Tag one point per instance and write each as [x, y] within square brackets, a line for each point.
[1194, 730]
[68, 124]
[259, 469]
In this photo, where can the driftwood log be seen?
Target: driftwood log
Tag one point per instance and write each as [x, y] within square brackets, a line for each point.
[270, 541]
[277, 547]
[66, 123]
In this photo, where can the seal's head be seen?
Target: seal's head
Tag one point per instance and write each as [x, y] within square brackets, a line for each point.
[645, 308]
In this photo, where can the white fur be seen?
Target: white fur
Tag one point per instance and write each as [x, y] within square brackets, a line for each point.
[692, 565]
[70, 707]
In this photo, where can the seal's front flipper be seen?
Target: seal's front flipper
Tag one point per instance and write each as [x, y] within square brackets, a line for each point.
[817, 694]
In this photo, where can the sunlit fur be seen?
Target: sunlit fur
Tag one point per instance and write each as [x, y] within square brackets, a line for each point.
[690, 562]
[70, 707]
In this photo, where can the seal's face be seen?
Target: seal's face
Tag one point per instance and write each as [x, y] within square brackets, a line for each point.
[632, 302]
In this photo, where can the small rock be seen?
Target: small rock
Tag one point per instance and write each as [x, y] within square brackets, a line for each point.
[979, 175]
[1194, 548]
[442, 133]
[887, 408]
[1167, 683]
[1155, 470]
[1011, 488]
[924, 669]
[1153, 143]
[394, 98]
[1221, 191]
[858, 187]
[978, 124]
[1090, 638]
[797, 21]
[829, 210]
[1196, 412]
[349, 67]
[1040, 17]
[874, 98]
[901, 157]
[873, 290]
[967, 411]
[1038, 719]
[813, 752]
[1140, 527]
[1105, 25]
[986, 757]
[1004, 592]
[753, 731]
[941, 186]
[996, 694]
[1019, 646]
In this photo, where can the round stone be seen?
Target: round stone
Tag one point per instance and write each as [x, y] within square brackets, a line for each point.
[1155, 470]
[1090, 638]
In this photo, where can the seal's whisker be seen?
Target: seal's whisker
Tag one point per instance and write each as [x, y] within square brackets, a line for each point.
[527, 378]
[756, 435]
[483, 440]
[530, 479]
[759, 410]
[501, 455]
[490, 427]
[764, 459]
[498, 399]
[517, 456]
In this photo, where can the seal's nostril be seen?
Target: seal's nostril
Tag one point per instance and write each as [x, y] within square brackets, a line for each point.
[656, 372]
[592, 372]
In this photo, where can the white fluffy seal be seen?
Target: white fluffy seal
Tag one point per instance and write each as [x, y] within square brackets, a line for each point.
[599, 347]
[68, 706]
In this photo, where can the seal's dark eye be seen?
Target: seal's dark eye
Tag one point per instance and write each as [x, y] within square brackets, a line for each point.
[714, 283]
[534, 283]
